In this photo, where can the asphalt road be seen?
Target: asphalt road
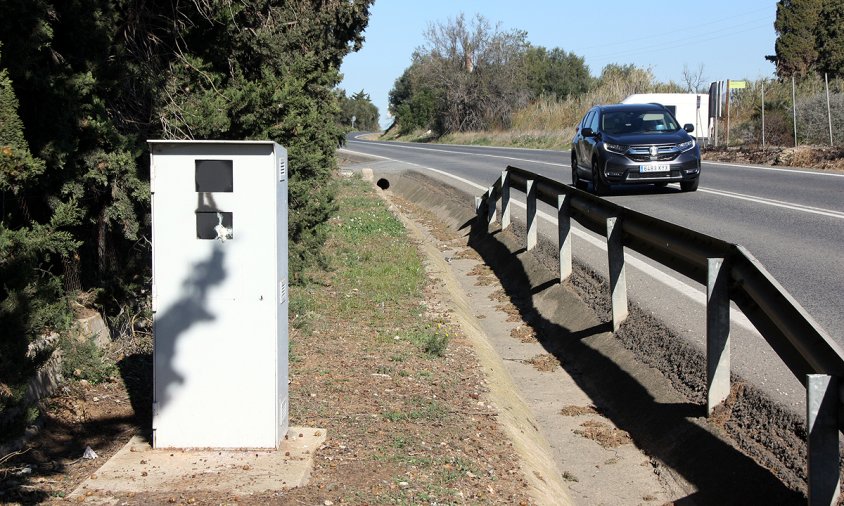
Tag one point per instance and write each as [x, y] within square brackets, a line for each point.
[791, 220]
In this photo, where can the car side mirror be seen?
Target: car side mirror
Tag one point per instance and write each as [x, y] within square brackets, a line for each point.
[689, 127]
[587, 132]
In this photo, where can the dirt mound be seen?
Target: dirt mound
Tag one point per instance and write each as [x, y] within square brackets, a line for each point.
[815, 157]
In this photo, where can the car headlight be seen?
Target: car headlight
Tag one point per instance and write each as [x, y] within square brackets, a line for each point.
[685, 146]
[616, 148]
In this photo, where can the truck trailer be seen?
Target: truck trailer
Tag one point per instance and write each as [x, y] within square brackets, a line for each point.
[686, 107]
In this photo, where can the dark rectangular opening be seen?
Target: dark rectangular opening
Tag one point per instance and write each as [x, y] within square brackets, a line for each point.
[214, 176]
[207, 223]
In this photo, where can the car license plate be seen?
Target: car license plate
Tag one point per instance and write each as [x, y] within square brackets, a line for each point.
[656, 167]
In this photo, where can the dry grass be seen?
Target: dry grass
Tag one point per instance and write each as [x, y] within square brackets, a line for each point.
[545, 362]
[524, 334]
[603, 434]
[534, 139]
[579, 410]
[548, 123]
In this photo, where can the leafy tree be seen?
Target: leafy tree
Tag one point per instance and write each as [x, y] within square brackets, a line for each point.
[796, 45]
[471, 70]
[555, 72]
[17, 165]
[413, 104]
[810, 38]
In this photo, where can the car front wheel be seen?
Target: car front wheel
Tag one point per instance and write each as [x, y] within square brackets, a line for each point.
[689, 186]
[598, 184]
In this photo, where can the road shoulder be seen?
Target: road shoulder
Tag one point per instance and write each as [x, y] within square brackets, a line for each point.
[562, 439]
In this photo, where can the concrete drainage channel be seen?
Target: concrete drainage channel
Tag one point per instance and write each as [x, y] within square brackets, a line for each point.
[644, 379]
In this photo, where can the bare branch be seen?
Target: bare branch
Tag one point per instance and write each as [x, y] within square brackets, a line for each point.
[693, 79]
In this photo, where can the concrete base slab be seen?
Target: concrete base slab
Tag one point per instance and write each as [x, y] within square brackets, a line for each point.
[139, 468]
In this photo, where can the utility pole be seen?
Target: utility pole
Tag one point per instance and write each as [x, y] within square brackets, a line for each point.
[727, 106]
[717, 108]
[828, 112]
[762, 83]
[794, 109]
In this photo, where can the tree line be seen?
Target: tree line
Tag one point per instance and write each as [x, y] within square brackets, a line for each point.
[85, 83]
[470, 75]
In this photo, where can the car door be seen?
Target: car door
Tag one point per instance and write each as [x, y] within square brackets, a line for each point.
[590, 143]
[581, 144]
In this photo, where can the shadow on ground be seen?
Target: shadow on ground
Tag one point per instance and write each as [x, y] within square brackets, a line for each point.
[676, 434]
[51, 463]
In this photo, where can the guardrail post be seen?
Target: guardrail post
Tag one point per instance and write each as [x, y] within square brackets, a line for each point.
[531, 215]
[564, 234]
[505, 200]
[717, 334]
[822, 401]
[478, 202]
[618, 280]
[490, 202]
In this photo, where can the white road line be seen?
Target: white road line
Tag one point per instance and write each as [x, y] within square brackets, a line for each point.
[776, 203]
[695, 294]
[514, 148]
[476, 154]
[762, 167]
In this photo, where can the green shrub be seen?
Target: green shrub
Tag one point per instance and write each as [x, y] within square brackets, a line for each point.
[82, 359]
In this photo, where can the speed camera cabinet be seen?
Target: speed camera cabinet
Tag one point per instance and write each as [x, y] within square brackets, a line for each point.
[219, 293]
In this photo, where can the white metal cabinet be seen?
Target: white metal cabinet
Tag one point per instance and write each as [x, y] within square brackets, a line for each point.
[219, 228]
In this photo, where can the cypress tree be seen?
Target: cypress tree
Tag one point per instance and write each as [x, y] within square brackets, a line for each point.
[17, 165]
[810, 38]
[796, 24]
[830, 38]
[31, 298]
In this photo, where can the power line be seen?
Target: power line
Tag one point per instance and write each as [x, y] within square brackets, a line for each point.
[726, 31]
[666, 47]
[626, 42]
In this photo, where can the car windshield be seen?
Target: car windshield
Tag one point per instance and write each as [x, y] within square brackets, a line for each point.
[637, 122]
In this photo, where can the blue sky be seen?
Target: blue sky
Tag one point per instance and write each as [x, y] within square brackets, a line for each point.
[729, 37]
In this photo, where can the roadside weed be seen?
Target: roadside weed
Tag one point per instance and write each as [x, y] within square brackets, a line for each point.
[432, 339]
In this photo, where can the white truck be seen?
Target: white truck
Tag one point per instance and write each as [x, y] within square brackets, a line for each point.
[686, 107]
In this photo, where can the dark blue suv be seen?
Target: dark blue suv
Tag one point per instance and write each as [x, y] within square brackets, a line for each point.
[633, 144]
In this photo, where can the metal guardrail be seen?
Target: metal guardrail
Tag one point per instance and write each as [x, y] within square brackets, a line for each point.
[730, 272]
